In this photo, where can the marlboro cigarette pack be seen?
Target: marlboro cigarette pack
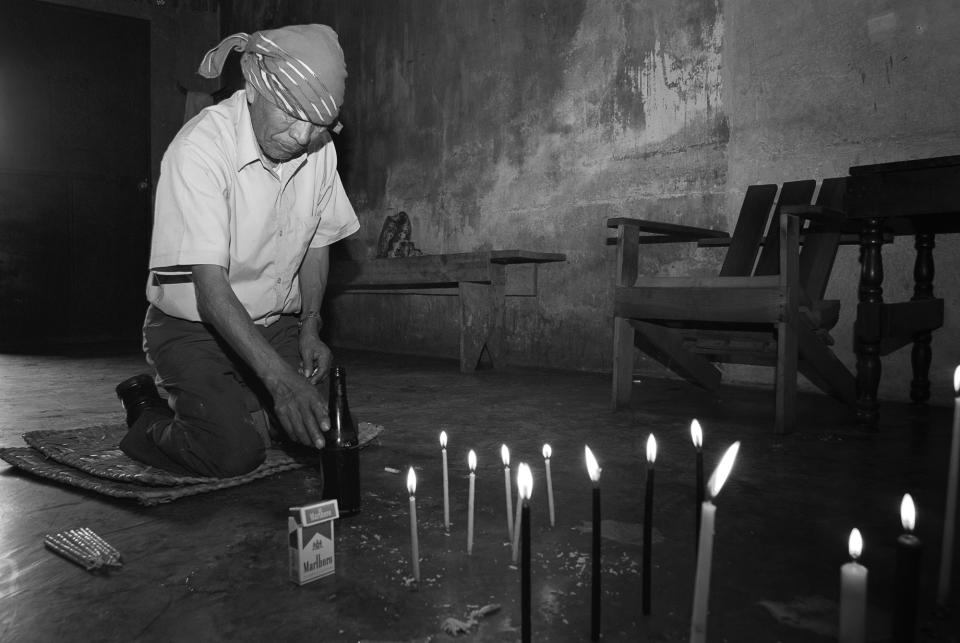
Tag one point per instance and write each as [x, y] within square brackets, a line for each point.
[311, 541]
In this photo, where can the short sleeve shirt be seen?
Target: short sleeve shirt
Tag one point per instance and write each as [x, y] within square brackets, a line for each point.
[218, 203]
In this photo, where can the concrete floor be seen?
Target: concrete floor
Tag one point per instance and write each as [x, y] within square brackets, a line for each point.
[214, 567]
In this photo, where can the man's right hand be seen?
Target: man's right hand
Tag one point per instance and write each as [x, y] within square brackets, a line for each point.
[301, 409]
[299, 406]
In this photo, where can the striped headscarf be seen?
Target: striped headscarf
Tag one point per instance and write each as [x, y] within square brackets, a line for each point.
[299, 68]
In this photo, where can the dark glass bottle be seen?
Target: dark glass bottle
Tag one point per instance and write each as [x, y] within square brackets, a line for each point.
[341, 455]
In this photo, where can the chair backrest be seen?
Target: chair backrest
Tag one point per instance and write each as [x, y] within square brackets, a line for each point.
[820, 245]
[751, 223]
[792, 193]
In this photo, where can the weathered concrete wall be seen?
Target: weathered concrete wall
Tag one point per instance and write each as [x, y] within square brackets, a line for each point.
[813, 88]
[513, 123]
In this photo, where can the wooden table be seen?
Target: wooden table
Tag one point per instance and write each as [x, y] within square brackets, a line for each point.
[919, 198]
[481, 280]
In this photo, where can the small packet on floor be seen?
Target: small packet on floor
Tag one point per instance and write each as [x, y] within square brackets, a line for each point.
[85, 548]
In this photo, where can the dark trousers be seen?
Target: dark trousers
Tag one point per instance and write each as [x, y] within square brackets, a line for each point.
[216, 399]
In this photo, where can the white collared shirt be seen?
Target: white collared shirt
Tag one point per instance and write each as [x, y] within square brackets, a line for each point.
[219, 203]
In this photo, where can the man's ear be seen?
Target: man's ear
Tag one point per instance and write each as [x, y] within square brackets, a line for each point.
[251, 92]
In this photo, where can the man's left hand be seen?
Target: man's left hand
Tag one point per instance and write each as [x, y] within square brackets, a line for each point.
[315, 357]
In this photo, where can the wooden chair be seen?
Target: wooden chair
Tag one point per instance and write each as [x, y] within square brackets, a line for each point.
[765, 307]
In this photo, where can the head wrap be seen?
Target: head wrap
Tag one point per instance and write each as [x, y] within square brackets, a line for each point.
[299, 68]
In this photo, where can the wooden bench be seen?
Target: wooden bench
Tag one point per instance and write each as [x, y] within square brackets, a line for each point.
[481, 280]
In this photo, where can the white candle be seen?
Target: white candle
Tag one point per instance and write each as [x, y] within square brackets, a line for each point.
[472, 462]
[853, 594]
[446, 482]
[547, 453]
[950, 512]
[505, 457]
[701, 590]
[414, 542]
[516, 520]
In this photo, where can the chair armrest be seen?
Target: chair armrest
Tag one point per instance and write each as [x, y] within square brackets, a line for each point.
[659, 232]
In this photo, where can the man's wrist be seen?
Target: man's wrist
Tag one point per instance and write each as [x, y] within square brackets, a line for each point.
[309, 317]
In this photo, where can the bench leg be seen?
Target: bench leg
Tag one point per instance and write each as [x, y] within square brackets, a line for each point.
[622, 363]
[481, 321]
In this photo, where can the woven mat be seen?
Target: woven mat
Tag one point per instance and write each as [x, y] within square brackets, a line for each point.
[89, 458]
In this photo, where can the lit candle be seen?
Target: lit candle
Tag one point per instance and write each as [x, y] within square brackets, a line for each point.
[547, 453]
[516, 524]
[505, 457]
[446, 481]
[525, 487]
[593, 470]
[950, 512]
[414, 543]
[472, 463]
[701, 590]
[853, 594]
[696, 434]
[907, 575]
[648, 521]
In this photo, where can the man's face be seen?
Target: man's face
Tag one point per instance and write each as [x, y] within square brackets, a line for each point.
[281, 136]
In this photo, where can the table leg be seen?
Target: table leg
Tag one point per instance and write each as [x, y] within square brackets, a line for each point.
[482, 310]
[867, 331]
[923, 270]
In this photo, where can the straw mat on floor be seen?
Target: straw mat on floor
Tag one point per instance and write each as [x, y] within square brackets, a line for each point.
[89, 458]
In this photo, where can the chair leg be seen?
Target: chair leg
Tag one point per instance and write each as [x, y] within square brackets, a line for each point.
[622, 363]
[786, 378]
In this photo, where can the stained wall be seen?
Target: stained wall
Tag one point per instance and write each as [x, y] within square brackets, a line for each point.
[504, 124]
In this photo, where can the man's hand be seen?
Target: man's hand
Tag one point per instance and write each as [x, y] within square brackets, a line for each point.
[301, 409]
[315, 357]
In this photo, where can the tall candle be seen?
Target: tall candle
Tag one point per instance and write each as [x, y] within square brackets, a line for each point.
[472, 463]
[547, 453]
[907, 576]
[414, 542]
[525, 488]
[950, 512]
[515, 548]
[853, 594]
[648, 522]
[696, 435]
[505, 457]
[593, 470]
[701, 590]
[446, 481]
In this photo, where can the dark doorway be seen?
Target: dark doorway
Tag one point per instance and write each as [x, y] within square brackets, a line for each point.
[74, 175]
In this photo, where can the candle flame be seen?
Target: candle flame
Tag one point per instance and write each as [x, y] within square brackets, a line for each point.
[472, 460]
[547, 452]
[956, 381]
[696, 434]
[651, 449]
[723, 470]
[908, 512]
[412, 482]
[524, 481]
[443, 439]
[855, 544]
[593, 468]
[505, 455]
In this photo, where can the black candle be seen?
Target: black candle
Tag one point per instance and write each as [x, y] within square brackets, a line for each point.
[907, 576]
[525, 487]
[696, 434]
[594, 470]
[648, 522]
